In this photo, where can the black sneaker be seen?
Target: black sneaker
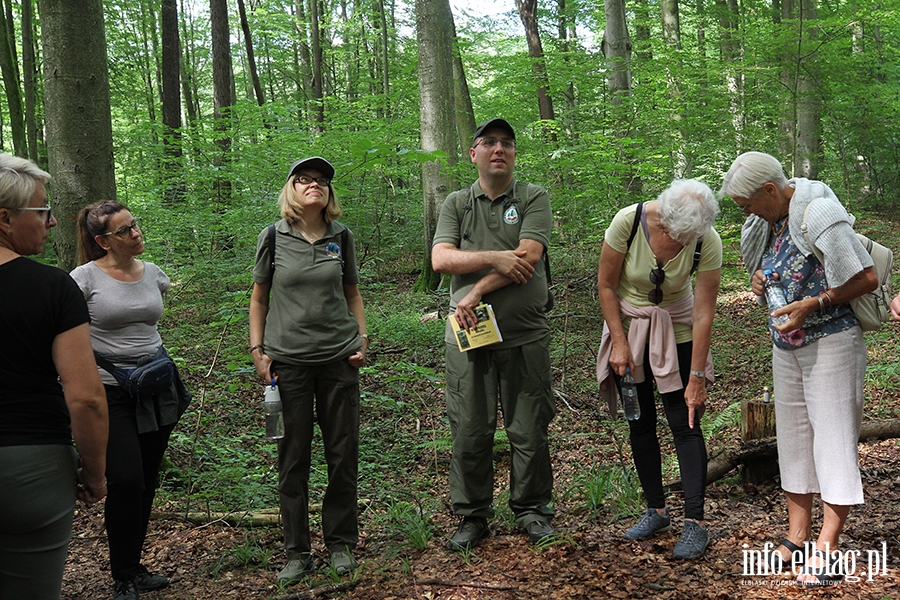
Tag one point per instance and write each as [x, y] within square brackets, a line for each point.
[145, 581]
[126, 590]
[538, 530]
[469, 532]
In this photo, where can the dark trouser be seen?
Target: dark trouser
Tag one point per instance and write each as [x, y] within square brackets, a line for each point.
[327, 394]
[132, 471]
[37, 501]
[689, 443]
[520, 379]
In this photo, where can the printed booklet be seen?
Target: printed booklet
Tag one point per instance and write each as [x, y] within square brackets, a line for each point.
[483, 334]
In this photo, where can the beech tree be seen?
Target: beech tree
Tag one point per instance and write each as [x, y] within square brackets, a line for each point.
[77, 108]
[434, 29]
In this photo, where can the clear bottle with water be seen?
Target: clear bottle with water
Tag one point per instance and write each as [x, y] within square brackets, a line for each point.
[628, 389]
[775, 297]
[274, 412]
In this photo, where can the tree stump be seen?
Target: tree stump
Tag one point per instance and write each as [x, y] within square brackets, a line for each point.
[757, 422]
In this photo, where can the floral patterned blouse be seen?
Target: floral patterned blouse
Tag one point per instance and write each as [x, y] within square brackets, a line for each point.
[802, 277]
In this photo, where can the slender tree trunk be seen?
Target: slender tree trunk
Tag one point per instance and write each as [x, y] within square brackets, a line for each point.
[566, 31]
[77, 109]
[222, 94]
[730, 52]
[29, 80]
[10, 67]
[315, 35]
[251, 61]
[385, 50]
[187, 70]
[434, 32]
[465, 114]
[305, 79]
[171, 101]
[528, 14]
[617, 50]
[801, 121]
[642, 30]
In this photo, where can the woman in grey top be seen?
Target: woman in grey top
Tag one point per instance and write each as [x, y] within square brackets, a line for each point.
[818, 356]
[124, 297]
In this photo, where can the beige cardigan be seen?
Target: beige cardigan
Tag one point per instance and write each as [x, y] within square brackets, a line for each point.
[653, 324]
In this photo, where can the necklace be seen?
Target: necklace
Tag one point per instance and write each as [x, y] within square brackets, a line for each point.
[780, 231]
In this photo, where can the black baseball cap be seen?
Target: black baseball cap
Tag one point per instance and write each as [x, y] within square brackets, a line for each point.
[497, 123]
[314, 162]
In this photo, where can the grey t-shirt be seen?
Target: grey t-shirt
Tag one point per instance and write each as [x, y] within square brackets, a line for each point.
[124, 314]
[309, 321]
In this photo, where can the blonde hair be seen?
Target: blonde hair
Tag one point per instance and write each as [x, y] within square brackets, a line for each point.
[749, 172]
[288, 202]
[18, 178]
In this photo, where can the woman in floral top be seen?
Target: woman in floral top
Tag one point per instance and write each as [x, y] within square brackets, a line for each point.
[819, 355]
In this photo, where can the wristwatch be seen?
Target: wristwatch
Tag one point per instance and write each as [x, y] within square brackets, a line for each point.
[700, 374]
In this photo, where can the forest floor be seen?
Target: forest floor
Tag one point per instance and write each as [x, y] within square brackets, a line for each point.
[405, 520]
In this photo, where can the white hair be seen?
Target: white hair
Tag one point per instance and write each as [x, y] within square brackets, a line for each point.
[17, 180]
[688, 209]
[749, 172]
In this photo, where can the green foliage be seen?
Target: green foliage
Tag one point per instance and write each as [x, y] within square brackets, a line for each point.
[599, 487]
[728, 417]
[250, 554]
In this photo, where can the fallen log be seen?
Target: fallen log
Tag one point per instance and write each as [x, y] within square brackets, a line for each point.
[264, 516]
[730, 458]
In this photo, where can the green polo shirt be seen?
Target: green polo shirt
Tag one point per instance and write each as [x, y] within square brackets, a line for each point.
[309, 321]
[471, 221]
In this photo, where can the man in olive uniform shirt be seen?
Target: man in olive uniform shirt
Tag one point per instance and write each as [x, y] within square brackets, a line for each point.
[491, 237]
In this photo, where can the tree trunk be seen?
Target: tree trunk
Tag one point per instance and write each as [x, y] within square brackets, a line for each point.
[316, 36]
[222, 96]
[385, 50]
[528, 14]
[251, 61]
[729, 50]
[77, 112]
[616, 47]
[187, 70]
[305, 73]
[29, 80]
[434, 31]
[465, 114]
[801, 122]
[171, 102]
[671, 25]
[9, 65]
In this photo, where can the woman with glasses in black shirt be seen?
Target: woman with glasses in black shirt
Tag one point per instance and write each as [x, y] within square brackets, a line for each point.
[657, 326]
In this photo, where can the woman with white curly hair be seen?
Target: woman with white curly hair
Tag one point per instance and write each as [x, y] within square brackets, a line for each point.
[659, 328]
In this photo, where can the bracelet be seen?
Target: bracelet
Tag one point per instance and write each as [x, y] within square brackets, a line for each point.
[700, 374]
[821, 304]
[830, 299]
[364, 336]
[254, 347]
[96, 487]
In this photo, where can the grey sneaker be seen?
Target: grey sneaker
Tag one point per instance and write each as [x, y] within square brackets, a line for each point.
[343, 562]
[693, 542]
[650, 524]
[297, 567]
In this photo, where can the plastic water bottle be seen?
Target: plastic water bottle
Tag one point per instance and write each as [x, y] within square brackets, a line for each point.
[629, 397]
[775, 297]
[274, 412]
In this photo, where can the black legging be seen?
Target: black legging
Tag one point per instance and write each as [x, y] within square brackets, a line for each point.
[132, 468]
[689, 443]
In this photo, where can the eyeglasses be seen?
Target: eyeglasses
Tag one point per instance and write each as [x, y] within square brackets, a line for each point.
[490, 142]
[45, 209]
[124, 232]
[657, 277]
[306, 180]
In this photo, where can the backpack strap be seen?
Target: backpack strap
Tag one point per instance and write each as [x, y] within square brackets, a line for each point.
[697, 249]
[634, 226]
[104, 364]
[271, 236]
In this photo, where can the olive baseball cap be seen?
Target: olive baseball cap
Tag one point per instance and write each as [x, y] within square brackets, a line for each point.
[497, 123]
[314, 162]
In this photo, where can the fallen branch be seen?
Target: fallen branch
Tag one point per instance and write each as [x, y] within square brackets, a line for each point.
[451, 583]
[265, 516]
[729, 458]
[319, 591]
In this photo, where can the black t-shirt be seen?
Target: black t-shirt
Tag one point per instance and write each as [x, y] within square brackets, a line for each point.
[37, 303]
